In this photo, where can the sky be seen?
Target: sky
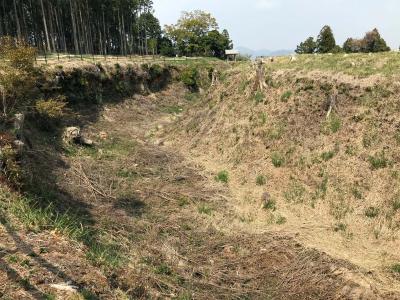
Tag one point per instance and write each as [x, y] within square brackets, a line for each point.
[283, 24]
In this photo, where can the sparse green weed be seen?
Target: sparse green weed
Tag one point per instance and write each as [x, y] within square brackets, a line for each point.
[378, 161]
[357, 194]
[277, 159]
[395, 268]
[286, 96]
[205, 209]
[295, 192]
[270, 205]
[372, 212]
[163, 269]
[327, 155]
[261, 180]
[340, 227]
[259, 97]
[280, 220]
[332, 124]
[222, 176]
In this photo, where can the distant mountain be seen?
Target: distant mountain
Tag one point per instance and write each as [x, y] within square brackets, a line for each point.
[263, 52]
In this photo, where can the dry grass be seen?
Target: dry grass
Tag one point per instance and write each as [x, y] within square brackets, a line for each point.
[319, 171]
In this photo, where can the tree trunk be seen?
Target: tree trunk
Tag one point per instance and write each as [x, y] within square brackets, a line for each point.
[74, 28]
[17, 20]
[45, 27]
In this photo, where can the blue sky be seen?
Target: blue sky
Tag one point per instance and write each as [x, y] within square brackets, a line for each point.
[282, 24]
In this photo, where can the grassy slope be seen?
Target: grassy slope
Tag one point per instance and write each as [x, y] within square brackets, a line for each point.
[334, 181]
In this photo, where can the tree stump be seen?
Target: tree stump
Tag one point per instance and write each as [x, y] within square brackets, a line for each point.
[259, 83]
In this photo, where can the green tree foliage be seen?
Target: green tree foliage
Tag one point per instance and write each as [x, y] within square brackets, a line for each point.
[326, 40]
[372, 42]
[166, 47]
[196, 34]
[307, 47]
[17, 85]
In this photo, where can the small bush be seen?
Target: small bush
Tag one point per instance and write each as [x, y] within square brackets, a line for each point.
[378, 161]
[222, 176]
[261, 180]
[372, 212]
[17, 52]
[286, 96]
[51, 108]
[190, 77]
[277, 160]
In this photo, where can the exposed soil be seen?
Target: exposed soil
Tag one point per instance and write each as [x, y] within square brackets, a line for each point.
[166, 216]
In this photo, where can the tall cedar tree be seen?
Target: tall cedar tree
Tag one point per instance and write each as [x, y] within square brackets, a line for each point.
[326, 41]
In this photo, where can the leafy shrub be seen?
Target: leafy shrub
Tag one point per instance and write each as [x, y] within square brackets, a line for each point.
[222, 176]
[286, 96]
[190, 77]
[277, 160]
[378, 161]
[9, 166]
[52, 108]
[261, 180]
[18, 53]
[17, 82]
[372, 212]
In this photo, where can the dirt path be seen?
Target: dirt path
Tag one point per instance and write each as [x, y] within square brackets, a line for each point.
[170, 223]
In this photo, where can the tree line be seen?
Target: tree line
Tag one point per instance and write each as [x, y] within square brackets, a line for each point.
[109, 27]
[82, 26]
[326, 43]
